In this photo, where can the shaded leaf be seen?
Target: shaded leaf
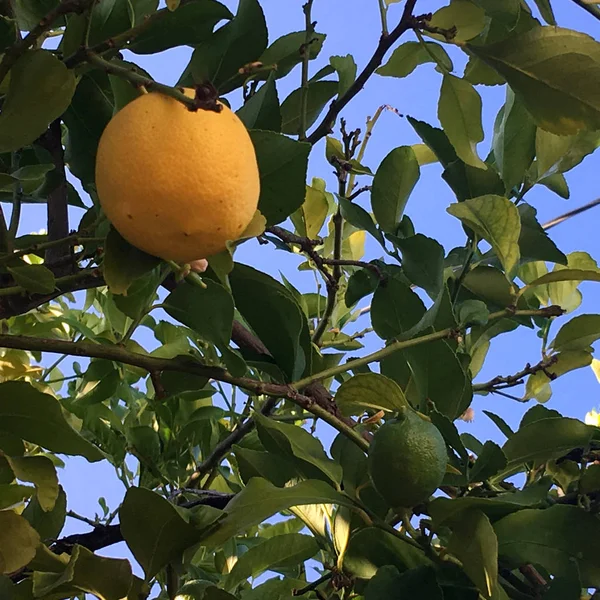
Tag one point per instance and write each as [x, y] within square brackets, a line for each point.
[408, 56]
[40, 90]
[282, 164]
[346, 70]
[490, 461]
[578, 334]
[37, 418]
[40, 471]
[261, 111]
[18, 541]
[34, 278]
[468, 18]
[420, 582]
[534, 243]
[319, 94]
[286, 51]
[48, 524]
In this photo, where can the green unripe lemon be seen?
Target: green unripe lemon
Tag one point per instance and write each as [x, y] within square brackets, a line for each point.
[407, 460]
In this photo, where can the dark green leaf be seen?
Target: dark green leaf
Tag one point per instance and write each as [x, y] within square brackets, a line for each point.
[472, 312]
[370, 548]
[124, 263]
[474, 543]
[500, 423]
[140, 294]
[280, 551]
[208, 311]
[189, 25]
[490, 461]
[346, 70]
[277, 470]
[422, 262]
[357, 216]
[450, 434]
[261, 111]
[558, 184]
[273, 314]
[395, 309]
[48, 524]
[154, 530]
[470, 182]
[319, 94]
[286, 51]
[420, 582]
[14, 493]
[435, 139]
[394, 181]
[546, 11]
[259, 500]
[546, 439]
[305, 451]
[534, 243]
[554, 72]
[38, 418]
[40, 90]
[282, 164]
[240, 42]
[369, 391]
[408, 56]
[34, 278]
[550, 538]
[8, 32]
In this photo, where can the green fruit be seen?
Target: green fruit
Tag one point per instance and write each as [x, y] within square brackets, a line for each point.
[407, 460]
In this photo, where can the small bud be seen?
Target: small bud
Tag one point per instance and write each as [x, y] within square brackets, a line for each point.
[468, 415]
[199, 266]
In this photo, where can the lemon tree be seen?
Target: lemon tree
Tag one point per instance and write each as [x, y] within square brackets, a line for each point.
[232, 303]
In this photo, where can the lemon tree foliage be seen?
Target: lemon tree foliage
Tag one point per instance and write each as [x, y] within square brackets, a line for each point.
[274, 440]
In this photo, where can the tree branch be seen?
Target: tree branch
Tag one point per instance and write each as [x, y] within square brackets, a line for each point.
[590, 8]
[58, 215]
[408, 21]
[503, 382]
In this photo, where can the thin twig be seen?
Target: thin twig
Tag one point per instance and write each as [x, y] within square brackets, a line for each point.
[358, 192]
[342, 262]
[571, 213]
[312, 586]
[383, 16]
[305, 52]
[81, 518]
[503, 382]
[407, 21]
[590, 8]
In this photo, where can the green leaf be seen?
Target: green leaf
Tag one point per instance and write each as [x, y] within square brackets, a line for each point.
[140, 294]
[37, 418]
[319, 94]
[422, 262]
[435, 139]
[346, 70]
[13, 493]
[124, 263]
[450, 434]
[371, 548]
[546, 11]
[18, 542]
[534, 243]
[369, 391]
[490, 461]
[538, 384]
[242, 41]
[472, 312]
[557, 183]
[282, 164]
[459, 112]
[306, 451]
[394, 181]
[48, 524]
[561, 153]
[260, 500]
[514, 141]
[261, 111]
[395, 309]
[474, 542]
[40, 90]
[209, 312]
[273, 314]
[286, 51]
[88, 114]
[420, 582]
[312, 213]
[288, 550]
[34, 278]
[277, 470]
[468, 18]
[554, 72]
[551, 538]
[357, 216]
[154, 530]
[546, 439]
[408, 56]
[191, 24]
[40, 471]
[496, 220]
[578, 334]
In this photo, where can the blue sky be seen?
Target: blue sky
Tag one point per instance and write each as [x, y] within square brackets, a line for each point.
[352, 26]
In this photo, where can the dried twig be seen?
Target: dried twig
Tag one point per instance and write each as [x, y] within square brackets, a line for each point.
[503, 382]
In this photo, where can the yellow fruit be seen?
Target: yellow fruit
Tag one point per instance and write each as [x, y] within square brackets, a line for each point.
[175, 183]
[407, 460]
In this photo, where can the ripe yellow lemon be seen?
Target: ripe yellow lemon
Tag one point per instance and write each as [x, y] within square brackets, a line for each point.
[175, 183]
[407, 460]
